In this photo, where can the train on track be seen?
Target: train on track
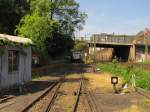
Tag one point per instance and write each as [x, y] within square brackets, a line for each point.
[76, 57]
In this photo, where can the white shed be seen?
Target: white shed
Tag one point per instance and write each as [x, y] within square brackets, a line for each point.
[15, 60]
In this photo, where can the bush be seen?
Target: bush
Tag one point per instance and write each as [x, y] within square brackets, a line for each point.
[36, 76]
[142, 77]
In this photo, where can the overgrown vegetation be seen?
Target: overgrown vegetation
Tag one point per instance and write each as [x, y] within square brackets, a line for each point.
[11, 12]
[145, 62]
[142, 77]
[35, 76]
[80, 46]
[50, 24]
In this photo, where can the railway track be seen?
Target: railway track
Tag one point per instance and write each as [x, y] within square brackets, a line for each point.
[143, 92]
[26, 109]
[80, 93]
[76, 102]
[53, 98]
[51, 91]
[30, 106]
[78, 96]
[89, 97]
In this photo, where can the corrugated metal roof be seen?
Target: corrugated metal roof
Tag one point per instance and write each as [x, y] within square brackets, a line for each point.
[15, 39]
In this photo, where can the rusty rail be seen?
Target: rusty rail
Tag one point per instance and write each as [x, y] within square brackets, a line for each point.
[40, 97]
[53, 98]
[78, 97]
[143, 92]
[90, 99]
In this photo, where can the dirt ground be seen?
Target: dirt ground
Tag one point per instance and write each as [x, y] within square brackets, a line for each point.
[107, 101]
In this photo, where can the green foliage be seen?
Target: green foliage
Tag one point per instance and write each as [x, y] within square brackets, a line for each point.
[42, 6]
[142, 77]
[36, 76]
[52, 35]
[114, 62]
[60, 44]
[69, 16]
[4, 42]
[146, 62]
[80, 46]
[38, 28]
[2, 51]
[11, 11]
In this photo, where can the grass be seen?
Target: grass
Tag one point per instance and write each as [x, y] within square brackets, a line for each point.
[142, 77]
[100, 81]
[146, 62]
[35, 76]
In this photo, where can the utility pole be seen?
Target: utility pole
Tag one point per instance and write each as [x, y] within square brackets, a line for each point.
[94, 61]
[146, 34]
[146, 47]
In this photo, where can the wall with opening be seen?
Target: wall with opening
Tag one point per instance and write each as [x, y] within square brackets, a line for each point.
[121, 52]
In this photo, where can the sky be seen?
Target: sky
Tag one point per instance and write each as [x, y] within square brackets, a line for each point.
[118, 16]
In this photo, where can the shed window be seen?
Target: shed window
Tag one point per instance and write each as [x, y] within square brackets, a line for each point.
[13, 60]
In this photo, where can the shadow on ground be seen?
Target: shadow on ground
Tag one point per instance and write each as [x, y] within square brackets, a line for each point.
[36, 86]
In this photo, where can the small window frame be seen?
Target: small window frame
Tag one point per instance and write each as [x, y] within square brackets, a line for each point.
[13, 61]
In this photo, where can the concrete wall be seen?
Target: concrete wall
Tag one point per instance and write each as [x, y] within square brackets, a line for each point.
[91, 50]
[132, 53]
[102, 54]
[142, 57]
[105, 55]
[23, 75]
[140, 54]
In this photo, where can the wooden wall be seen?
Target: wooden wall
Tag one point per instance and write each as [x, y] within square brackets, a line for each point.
[23, 75]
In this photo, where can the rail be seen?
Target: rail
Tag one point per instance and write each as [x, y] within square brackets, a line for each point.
[78, 97]
[90, 99]
[143, 92]
[53, 98]
[39, 98]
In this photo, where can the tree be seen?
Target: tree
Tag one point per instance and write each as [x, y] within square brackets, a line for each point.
[38, 28]
[59, 45]
[68, 14]
[80, 46]
[37, 25]
[11, 11]
[50, 24]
